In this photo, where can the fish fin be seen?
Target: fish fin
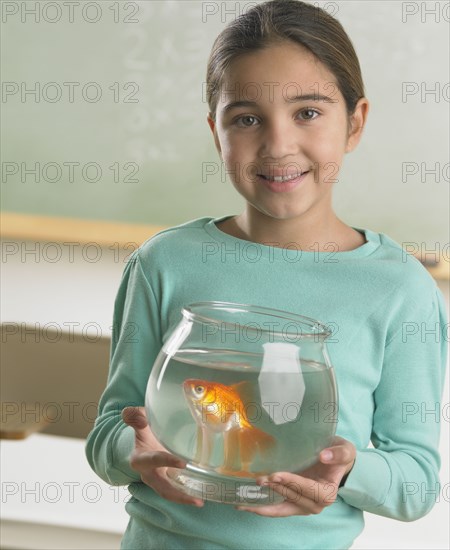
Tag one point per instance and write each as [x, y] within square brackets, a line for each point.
[245, 390]
[199, 445]
[231, 451]
[207, 446]
[252, 441]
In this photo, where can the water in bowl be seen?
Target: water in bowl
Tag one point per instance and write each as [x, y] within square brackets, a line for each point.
[238, 434]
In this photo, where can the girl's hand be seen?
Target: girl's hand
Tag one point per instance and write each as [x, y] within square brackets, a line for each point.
[152, 460]
[313, 490]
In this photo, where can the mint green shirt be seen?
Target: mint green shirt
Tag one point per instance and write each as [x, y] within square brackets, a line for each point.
[388, 350]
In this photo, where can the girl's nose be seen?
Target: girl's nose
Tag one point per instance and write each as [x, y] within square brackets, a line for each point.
[279, 140]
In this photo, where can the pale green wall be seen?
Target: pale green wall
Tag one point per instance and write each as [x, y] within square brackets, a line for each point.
[166, 133]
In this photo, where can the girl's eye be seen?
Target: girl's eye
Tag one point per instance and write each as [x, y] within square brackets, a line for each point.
[309, 112]
[242, 121]
[247, 121]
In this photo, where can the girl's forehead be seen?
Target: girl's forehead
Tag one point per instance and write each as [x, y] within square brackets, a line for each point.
[287, 69]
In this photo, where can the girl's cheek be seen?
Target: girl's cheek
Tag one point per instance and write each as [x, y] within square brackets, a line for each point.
[328, 145]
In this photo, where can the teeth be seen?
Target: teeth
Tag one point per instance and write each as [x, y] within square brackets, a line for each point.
[279, 179]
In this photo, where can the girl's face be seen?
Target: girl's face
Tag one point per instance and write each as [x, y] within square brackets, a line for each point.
[280, 114]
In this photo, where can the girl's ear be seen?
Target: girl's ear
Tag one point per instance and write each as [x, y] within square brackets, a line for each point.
[212, 125]
[356, 124]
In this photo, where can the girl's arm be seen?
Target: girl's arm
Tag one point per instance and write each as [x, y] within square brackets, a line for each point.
[136, 342]
[399, 478]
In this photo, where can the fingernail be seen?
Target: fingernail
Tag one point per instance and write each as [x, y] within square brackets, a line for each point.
[275, 479]
[327, 455]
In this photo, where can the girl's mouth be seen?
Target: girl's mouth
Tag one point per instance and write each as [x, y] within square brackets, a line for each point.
[279, 184]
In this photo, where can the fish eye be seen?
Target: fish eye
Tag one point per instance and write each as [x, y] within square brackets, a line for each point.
[199, 389]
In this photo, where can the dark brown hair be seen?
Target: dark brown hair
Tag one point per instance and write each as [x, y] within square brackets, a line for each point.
[280, 20]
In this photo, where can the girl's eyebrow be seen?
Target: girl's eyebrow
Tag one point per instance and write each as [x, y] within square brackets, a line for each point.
[295, 99]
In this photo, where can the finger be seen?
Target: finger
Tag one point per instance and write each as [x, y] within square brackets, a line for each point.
[338, 455]
[280, 510]
[302, 491]
[291, 492]
[287, 482]
[153, 468]
[284, 485]
[338, 440]
[155, 460]
[135, 417]
[161, 485]
[164, 488]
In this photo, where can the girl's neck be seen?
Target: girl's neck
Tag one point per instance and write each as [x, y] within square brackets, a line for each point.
[317, 235]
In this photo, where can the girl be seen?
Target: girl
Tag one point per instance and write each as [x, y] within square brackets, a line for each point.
[286, 103]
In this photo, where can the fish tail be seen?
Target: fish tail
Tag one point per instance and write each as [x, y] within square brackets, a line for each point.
[252, 441]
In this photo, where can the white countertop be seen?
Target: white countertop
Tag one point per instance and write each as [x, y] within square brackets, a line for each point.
[71, 286]
[47, 480]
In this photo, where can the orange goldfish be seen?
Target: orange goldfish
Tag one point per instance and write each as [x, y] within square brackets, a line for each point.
[218, 408]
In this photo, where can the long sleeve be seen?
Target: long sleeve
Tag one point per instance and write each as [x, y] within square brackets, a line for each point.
[136, 342]
[389, 372]
[399, 477]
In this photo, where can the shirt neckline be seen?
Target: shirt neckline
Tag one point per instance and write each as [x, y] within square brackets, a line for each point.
[373, 241]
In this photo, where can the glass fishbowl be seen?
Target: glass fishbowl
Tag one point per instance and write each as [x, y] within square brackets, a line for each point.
[239, 391]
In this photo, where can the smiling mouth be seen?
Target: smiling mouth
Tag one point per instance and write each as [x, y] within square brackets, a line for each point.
[281, 179]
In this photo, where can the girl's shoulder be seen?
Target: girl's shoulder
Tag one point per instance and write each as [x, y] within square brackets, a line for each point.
[171, 241]
[397, 267]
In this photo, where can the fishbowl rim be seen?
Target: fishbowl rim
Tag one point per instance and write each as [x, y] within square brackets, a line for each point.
[323, 334]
